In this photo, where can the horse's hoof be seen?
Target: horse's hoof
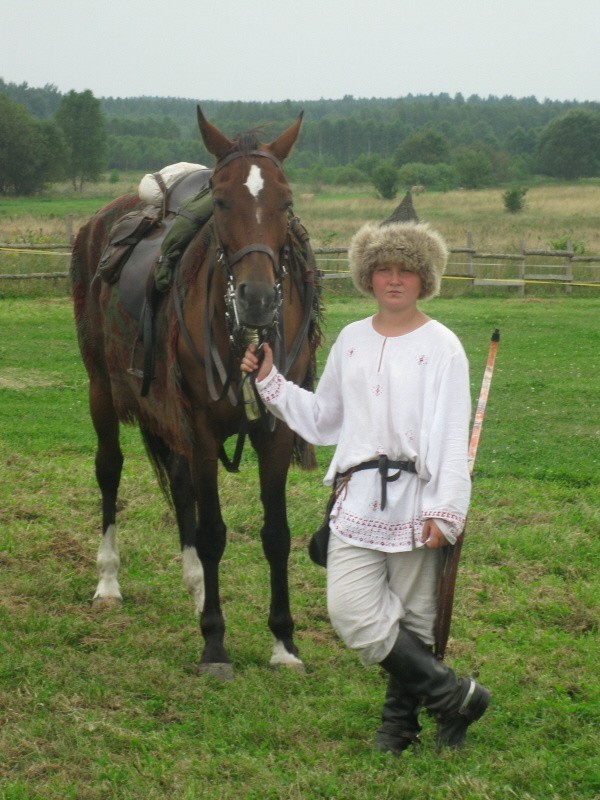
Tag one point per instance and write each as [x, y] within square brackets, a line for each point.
[106, 603]
[223, 672]
[294, 666]
[283, 658]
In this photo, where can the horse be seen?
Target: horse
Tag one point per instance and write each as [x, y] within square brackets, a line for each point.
[247, 274]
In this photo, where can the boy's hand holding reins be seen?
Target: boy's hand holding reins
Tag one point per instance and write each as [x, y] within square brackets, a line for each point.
[251, 361]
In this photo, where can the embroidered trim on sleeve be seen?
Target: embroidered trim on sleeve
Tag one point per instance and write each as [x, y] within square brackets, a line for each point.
[273, 390]
[456, 521]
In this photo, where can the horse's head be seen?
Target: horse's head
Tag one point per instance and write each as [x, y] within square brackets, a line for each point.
[251, 202]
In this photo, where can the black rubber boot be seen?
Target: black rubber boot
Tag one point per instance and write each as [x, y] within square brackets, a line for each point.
[399, 720]
[452, 729]
[454, 702]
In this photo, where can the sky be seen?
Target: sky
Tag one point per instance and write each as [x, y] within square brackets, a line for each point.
[272, 50]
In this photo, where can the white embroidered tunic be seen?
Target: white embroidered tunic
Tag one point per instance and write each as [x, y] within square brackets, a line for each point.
[406, 397]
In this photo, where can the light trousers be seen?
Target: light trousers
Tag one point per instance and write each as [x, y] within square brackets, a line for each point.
[369, 592]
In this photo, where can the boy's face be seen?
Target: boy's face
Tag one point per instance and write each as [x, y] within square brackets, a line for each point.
[395, 287]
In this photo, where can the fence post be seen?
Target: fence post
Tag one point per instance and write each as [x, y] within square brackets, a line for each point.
[69, 228]
[470, 248]
[569, 268]
[522, 268]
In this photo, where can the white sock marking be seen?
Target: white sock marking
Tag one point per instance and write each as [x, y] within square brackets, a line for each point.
[193, 577]
[108, 566]
[281, 655]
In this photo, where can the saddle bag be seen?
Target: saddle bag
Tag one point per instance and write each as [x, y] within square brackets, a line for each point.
[190, 217]
[317, 547]
[123, 237]
[319, 541]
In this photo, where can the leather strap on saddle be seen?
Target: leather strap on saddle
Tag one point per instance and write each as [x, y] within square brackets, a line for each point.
[163, 188]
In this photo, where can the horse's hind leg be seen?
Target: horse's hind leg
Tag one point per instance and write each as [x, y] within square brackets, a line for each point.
[109, 463]
[182, 492]
[176, 470]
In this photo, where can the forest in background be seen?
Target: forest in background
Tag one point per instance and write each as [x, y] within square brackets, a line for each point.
[436, 140]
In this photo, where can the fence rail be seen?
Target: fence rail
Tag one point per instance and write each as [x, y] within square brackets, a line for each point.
[565, 265]
[476, 266]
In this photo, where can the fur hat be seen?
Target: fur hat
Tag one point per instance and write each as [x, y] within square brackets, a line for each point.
[414, 245]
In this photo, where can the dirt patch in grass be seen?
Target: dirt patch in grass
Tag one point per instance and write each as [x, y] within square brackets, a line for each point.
[20, 379]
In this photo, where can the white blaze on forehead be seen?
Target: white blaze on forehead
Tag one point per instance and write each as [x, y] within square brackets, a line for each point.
[254, 181]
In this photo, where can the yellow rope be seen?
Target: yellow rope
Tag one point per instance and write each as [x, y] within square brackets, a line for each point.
[34, 252]
[496, 280]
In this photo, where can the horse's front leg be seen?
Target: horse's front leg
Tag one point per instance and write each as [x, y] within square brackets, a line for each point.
[274, 459]
[210, 545]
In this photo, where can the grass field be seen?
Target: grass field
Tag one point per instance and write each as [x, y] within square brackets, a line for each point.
[109, 705]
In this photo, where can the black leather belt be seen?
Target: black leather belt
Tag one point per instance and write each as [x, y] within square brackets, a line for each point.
[383, 465]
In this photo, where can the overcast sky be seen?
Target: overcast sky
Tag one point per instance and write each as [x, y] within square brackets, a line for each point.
[304, 49]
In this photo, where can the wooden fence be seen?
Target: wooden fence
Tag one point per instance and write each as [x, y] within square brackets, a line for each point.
[478, 268]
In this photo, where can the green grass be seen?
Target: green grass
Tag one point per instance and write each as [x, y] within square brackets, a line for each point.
[108, 705]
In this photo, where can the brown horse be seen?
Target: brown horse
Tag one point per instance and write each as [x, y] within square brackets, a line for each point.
[238, 275]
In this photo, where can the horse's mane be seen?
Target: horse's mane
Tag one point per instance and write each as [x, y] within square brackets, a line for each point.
[246, 142]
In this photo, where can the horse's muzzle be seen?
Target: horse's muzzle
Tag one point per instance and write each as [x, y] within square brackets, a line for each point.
[256, 304]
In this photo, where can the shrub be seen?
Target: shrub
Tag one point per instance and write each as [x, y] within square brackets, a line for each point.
[439, 177]
[385, 180]
[349, 176]
[563, 242]
[514, 199]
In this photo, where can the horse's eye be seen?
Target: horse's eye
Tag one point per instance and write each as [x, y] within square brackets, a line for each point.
[220, 203]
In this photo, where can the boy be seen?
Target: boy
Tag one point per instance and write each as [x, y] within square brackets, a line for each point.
[394, 398]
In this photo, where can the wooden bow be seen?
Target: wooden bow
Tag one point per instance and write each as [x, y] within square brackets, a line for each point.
[451, 554]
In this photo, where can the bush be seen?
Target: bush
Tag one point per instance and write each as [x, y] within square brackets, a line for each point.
[566, 243]
[349, 176]
[439, 177]
[474, 167]
[514, 199]
[385, 180]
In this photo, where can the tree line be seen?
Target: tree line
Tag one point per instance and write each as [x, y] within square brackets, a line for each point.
[438, 141]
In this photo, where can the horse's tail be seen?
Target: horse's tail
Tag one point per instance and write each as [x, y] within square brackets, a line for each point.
[161, 458]
[303, 454]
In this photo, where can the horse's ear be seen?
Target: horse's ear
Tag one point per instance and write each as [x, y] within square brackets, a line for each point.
[282, 146]
[215, 142]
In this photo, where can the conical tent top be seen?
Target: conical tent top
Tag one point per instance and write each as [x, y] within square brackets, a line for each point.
[405, 212]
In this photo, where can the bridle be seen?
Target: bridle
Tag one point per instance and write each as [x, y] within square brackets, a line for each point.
[236, 330]
[231, 261]
[238, 333]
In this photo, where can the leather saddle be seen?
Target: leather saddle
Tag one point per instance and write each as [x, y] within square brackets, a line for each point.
[135, 256]
[134, 282]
